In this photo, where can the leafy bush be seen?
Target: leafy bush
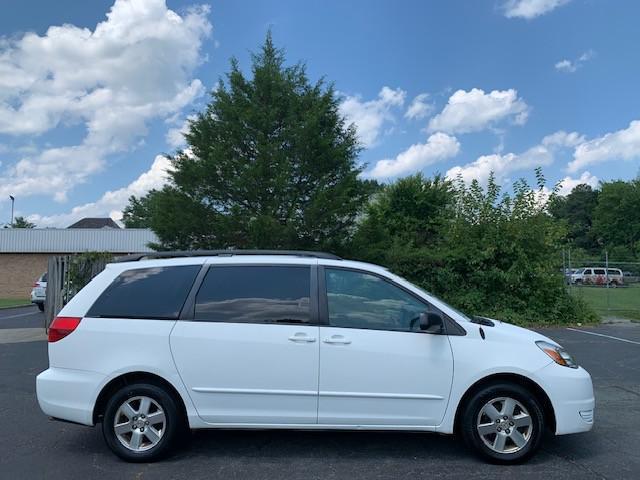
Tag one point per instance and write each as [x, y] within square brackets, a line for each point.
[487, 253]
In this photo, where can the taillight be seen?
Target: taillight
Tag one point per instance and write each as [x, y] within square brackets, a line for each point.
[61, 327]
[36, 285]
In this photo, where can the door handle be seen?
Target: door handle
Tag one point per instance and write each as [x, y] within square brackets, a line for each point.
[337, 340]
[301, 338]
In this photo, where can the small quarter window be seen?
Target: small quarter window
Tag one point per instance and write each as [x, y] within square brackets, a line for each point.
[154, 293]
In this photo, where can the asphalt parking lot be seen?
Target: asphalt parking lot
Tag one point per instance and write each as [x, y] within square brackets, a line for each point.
[31, 446]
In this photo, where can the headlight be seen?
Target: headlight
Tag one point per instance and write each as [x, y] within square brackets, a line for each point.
[557, 354]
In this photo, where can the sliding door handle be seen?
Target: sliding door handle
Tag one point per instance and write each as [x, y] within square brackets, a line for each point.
[337, 340]
[301, 337]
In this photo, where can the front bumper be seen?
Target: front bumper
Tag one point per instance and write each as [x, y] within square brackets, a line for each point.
[571, 393]
[68, 394]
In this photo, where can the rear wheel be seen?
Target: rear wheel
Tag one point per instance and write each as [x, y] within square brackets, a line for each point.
[141, 422]
[41, 307]
[503, 423]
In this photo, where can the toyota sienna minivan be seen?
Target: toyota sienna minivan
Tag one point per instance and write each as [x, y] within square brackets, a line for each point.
[159, 344]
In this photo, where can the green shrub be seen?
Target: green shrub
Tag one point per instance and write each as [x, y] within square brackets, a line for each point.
[486, 253]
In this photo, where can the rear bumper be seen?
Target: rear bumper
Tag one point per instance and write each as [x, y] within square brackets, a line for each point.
[571, 393]
[37, 298]
[68, 394]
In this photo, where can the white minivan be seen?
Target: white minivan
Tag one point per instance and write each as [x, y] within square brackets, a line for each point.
[160, 344]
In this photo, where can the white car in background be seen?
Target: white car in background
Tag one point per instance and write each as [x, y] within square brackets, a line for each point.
[39, 291]
[298, 340]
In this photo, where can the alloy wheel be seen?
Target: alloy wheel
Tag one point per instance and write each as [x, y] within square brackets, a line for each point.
[504, 425]
[139, 423]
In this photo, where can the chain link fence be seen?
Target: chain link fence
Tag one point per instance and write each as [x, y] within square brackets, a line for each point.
[611, 287]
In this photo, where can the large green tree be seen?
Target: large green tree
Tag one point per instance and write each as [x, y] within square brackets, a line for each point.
[270, 163]
[577, 211]
[617, 216]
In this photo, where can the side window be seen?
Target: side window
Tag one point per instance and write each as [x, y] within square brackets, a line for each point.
[598, 271]
[255, 294]
[361, 300]
[155, 293]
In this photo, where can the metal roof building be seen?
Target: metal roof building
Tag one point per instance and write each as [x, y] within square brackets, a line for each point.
[72, 240]
[24, 252]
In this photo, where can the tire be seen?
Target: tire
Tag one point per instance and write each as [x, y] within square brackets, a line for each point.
[41, 307]
[498, 446]
[152, 440]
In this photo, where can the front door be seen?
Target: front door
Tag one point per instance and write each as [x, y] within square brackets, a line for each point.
[251, 354]
[376, 366]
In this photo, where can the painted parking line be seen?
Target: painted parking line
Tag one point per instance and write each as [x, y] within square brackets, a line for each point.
[16, 316]
[605, 336]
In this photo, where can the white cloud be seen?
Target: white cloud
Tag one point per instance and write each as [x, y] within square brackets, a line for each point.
[620, 145]
[569, 183]
[501, 165]
[112, 202]
[476, 110]
[371, 116]
[530, 8]
[563, 139]
[565, 66]
[439, 146]
[570, 66]
[419, 107]
[175, 136]
[133, 67]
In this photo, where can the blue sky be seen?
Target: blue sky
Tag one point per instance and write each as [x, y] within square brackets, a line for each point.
[90, 102]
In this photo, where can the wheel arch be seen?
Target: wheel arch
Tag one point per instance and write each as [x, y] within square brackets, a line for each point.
[130, 378]
[526, 382]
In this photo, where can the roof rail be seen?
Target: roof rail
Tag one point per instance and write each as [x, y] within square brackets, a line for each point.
[222, 253]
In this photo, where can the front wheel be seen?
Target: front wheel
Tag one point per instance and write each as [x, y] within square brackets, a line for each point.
[503, 423]
[141, 422]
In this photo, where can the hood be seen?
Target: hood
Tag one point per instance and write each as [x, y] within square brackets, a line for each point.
[509, 332]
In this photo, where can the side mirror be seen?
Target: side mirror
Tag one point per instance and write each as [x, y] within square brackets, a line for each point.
[431, 322]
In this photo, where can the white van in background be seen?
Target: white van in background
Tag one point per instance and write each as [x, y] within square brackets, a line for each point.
[598, 276]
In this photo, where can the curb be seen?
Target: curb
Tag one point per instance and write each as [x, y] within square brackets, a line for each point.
[18, 306]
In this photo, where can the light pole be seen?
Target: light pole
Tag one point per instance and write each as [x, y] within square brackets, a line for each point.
[13, 200]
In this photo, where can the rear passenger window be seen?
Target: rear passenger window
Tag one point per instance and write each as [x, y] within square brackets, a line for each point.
[155, 293]
[255, 294]
[598, 271]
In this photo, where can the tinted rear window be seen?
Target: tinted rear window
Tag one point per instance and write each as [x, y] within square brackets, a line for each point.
[157, 292]
[255, 294]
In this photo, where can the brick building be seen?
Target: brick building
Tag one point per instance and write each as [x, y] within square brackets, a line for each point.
[24, 252]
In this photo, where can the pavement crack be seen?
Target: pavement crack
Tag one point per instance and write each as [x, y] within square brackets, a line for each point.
[576, 464]
[625, 389]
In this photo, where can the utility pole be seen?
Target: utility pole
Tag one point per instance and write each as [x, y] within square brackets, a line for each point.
[13, 200]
